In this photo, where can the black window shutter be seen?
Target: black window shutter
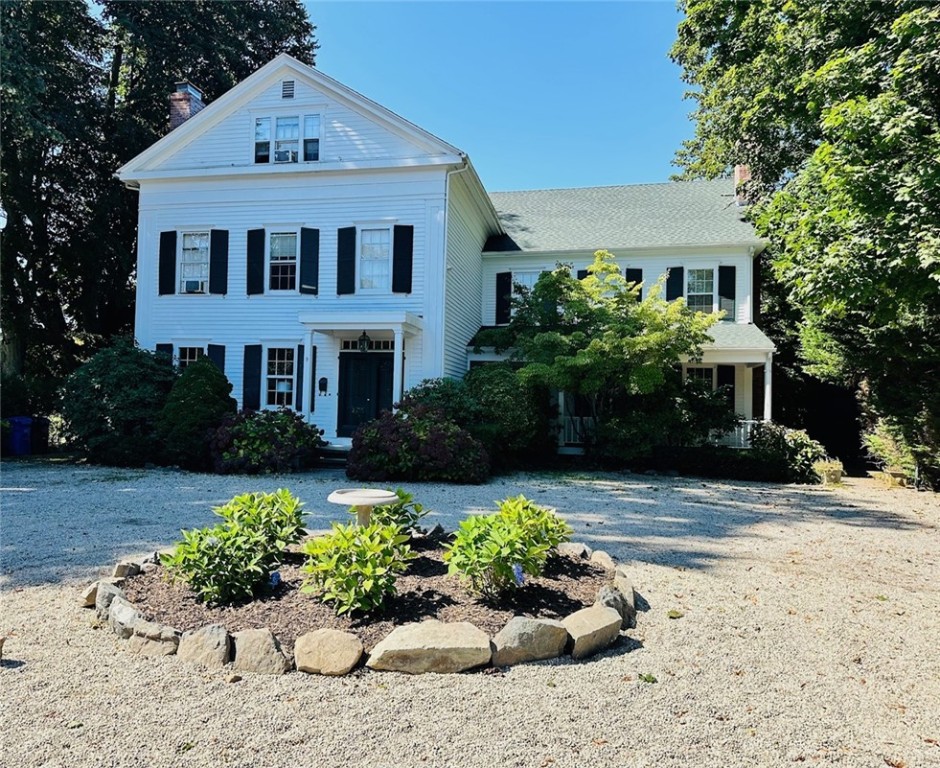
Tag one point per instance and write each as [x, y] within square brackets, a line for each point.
[299, 367]
[167, 281]
[166, 349]
[310, 261]
[635, 276]
[216, 353]
[726, 379]
[582, 273]
[313, 378]
[345, 260]
[251, 378]
[674, 283]
[218, 261]
[255, 261]
[503, 298]
[402, 251]
[727, 277]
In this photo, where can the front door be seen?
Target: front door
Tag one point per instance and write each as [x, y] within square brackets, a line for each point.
[365, 388]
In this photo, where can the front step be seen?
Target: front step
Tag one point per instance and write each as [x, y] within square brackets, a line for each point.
[333, 455]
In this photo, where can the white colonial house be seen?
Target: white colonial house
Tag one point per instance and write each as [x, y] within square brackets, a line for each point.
[328, 255]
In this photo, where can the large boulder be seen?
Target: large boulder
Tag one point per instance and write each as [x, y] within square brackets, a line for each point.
[104, 596]
[592, 630]
[612, 597]
[604, 560]
[624, 584]
[258, 650]
[524, 639]
[575, 549]
[152, 639]
[210, 646]
[432, 646]
[122, 616]
[327, 652]
[124, 569]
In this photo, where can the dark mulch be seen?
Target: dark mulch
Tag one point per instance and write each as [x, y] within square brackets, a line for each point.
[425, 591]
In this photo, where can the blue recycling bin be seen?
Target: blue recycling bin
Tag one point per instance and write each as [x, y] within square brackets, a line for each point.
[21, 428]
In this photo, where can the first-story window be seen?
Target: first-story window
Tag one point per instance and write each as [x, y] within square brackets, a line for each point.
[374, 258]
[700, 290]
[279, 379]
[189, 355]
[283, 261]
[194, 263]
[703, 374]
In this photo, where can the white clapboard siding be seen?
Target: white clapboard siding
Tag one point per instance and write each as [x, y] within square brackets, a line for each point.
[345, 134]
[466, 234]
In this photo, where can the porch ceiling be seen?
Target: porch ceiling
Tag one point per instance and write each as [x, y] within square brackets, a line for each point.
[406, 322]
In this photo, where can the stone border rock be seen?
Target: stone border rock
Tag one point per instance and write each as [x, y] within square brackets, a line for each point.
[427, 646]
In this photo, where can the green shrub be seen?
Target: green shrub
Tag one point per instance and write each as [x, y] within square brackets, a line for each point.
[416, 444]
[354, 567]
[792, 450]
[25, 395]
[452, 396]
[887, 446]
[111, 404]
[255, 442]
[197, 404]
[234, 560]
[406, 513]
[495, 552]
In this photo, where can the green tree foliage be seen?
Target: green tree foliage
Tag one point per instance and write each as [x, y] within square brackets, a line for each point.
[111, 404]
[82, 95]
[836, 108]
[593, 339]
[201, 397]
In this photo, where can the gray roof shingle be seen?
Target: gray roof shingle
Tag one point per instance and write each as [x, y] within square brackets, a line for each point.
[738, 336]
[673, 214]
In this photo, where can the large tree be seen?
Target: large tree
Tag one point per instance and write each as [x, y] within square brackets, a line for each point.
[81, 96]
[836, 109]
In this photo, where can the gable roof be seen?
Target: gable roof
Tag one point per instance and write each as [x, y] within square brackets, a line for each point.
[244, 91]
[673, 214]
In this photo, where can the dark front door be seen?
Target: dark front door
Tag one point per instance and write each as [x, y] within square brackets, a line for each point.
[365, 388]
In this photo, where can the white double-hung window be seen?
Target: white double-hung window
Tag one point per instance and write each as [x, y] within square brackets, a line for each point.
[375, 246]
[194, 262]
[700, 290]
[287, 138]
[279, 377]
[282, 261]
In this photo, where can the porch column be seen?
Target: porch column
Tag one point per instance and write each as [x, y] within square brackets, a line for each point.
[398, 358]
[767, 386]
[308, 375]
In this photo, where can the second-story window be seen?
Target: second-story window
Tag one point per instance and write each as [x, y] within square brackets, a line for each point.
[287, 138]
[700, 292]
[194, 263]
[283, 261]
[374, 258]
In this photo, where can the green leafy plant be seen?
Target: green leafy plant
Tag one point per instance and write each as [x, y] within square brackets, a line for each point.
[355, 567]
[257, 442]
[406, 513]
[235, 559]
[495, 552]
[792, 450]
[887, 446]
[198, 402]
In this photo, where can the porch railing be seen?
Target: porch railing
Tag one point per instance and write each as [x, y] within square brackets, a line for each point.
[739, 437]
[576, 428]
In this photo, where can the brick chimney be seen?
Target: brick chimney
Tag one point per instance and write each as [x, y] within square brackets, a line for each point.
[185, 102]
[742, 175]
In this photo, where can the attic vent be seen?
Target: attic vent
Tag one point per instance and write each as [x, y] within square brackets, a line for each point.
[287, 89]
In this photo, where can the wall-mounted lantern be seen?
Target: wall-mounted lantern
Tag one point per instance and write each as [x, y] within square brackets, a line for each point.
[321, 385]
[364, 342]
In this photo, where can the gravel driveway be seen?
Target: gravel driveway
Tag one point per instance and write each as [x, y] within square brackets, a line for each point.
[810, 633]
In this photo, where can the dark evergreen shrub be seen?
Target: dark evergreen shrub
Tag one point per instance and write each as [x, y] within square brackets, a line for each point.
[199, 400]
[111, 404]
[791, 450]
[417, 443]
[256, 442]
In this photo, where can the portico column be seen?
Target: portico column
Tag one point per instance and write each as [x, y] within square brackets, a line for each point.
[308, 376]
[768, 388]
[397, 374]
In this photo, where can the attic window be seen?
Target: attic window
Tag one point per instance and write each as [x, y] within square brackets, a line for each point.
[287, 89]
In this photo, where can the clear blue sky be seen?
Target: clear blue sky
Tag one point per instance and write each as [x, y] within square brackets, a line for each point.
[539, 94]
